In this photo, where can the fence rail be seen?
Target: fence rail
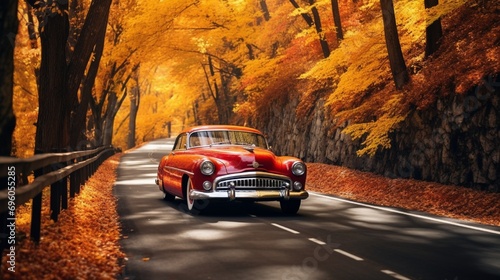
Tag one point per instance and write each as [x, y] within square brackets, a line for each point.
[52, 170]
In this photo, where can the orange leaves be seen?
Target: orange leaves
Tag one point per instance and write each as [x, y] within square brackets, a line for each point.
[83, 244]
[443, 200]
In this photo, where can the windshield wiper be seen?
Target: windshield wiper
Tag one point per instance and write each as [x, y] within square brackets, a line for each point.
[220, 143]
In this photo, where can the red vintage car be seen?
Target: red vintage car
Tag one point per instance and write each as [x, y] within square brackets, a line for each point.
[221, 162]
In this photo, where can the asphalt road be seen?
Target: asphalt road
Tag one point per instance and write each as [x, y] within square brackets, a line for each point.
[330, 238]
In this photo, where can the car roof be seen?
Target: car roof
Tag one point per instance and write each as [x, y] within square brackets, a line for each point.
[221, 127]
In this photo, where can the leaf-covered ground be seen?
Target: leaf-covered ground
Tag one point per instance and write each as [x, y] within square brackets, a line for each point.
[444, 200]
[84, 244]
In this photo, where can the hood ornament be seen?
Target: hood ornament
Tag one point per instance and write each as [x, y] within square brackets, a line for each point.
[255, 164]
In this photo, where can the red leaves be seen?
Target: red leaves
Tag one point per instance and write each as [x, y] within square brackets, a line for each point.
[83, 244]
[444, 200]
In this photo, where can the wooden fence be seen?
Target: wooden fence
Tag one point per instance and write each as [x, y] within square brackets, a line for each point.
[54, 170]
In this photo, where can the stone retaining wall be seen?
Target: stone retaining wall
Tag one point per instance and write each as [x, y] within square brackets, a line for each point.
[455, 141]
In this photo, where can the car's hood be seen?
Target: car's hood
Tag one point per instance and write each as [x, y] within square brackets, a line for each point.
[240, 158]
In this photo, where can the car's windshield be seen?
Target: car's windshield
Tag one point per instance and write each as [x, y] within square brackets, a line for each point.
[226, 137]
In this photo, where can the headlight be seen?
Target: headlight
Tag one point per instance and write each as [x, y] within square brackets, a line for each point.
[207, 168]
[298, 168]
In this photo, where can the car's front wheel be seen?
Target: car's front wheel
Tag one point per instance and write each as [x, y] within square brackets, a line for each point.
[290, 207]
[194, 206]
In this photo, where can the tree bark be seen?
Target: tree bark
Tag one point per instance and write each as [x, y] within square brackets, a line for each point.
[59, 82]
[113, 105]
[396, 60]
[95, 22]
[307, 18]
[80, 116]
[108, 120]
[337, 21]
[433, 32]
[215, 92]
[53, 122]
[90, 41]
[31, 27]
[265, 10]
[135, 101]
[8, 30]
[317, 23]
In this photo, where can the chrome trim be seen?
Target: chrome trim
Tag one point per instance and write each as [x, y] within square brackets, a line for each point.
[178, 169]
[231, 193]
[281, 191]
[252, 179]
[295, 164]
[213, 167]
[249, 194]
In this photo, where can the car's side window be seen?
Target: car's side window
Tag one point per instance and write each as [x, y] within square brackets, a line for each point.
[180, 143]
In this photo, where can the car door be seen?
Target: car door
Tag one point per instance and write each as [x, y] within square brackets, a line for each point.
[173, 165]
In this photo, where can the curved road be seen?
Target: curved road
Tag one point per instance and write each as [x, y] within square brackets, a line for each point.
[330, 238]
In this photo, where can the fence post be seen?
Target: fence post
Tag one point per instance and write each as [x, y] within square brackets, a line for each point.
[36, 213]
[64, 189]
[73, 181]
[55, 193]
[86, 171]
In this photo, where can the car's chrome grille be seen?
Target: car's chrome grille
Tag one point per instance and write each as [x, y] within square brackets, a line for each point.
[252, 183]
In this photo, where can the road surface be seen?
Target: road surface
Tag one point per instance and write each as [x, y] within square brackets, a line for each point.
[330, 238]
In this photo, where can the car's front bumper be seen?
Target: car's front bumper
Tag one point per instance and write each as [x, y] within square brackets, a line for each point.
[234, 194]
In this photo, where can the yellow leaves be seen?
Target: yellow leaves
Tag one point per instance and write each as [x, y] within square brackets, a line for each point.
[388, 110]
[377, 133]
[202, 44]
[443, 8]
[363, 93]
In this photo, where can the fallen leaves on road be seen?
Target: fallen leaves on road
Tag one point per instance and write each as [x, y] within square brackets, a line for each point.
[83, 244]
[444, 200]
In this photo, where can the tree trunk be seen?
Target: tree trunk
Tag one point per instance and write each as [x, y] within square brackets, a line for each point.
[31, 27]
[78, 122]
[113, 105]
[53, 123]
[214, 92]
[433, 32]
[59, 82]
[265, 10]
[108, 121]
[169, 129]
[337, 21]
[317, 23]
[396, 60]
[135, 100]
[8, 30]
[90, 41]
[95, 22]
[197, 120]
[307, 18]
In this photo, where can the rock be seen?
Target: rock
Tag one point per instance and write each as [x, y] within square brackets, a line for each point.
[453, 142]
